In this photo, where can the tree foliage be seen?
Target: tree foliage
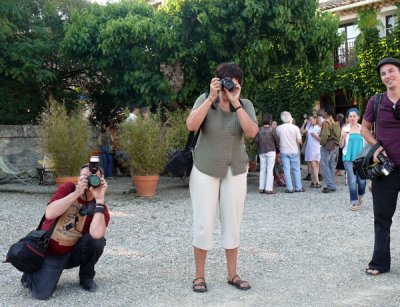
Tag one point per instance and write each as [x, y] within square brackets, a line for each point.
[31, 68]
[115, 52]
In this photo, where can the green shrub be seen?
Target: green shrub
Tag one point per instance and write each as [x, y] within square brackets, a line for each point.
[67, 139]
[176, 133]
[144, 143]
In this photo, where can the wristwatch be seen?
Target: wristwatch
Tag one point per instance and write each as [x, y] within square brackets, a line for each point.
[99, 208]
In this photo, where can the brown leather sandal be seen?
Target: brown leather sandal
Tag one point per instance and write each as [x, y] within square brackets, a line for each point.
[237, 283]
[201, 286]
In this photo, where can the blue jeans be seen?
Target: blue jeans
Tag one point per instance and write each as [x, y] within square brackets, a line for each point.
[292, 161]
[356, 184]
[328, 165]
[107, 161]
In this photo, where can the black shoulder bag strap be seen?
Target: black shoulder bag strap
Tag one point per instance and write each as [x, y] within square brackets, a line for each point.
[50, 231]
[377, 102]
[192, 138]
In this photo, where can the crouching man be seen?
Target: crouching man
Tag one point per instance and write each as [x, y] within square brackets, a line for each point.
[78, 238]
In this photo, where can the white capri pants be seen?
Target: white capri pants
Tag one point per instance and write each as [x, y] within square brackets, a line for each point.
[207, 193]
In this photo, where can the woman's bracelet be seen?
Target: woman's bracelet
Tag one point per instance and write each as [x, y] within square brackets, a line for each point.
[239, 107]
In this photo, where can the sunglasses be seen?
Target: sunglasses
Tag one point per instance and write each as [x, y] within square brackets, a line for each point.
[396, 113]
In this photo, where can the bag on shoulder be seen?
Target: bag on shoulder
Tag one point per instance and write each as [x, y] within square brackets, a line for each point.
[181, 163]
[363, 159]
[28, 253]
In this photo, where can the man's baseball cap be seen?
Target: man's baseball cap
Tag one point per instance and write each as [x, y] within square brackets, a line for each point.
[387, 61]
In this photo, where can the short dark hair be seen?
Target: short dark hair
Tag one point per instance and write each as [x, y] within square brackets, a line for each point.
[330, 110]
[267, 119]
[133, 107]
[230, 70]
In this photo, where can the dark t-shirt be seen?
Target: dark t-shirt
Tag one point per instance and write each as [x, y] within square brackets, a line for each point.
[388, 128]
[61, 192]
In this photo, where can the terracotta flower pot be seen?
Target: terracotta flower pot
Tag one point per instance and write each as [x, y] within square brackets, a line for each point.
[63, 179]
[252, 166]
[146, 186]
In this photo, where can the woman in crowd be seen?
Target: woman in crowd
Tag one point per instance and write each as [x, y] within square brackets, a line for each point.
[352, 142]
[220, 168]
[267, 142]
[313, 149]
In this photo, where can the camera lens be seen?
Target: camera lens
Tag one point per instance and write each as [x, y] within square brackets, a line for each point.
[228, 84]
[93, 181]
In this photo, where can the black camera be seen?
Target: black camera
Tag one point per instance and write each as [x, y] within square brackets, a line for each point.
[94, 180]
[384, 167]
[228, 84]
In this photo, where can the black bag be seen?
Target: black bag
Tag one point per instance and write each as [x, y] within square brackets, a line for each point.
[181, 163]
[364, 158]
[361, 165]
[28, 253]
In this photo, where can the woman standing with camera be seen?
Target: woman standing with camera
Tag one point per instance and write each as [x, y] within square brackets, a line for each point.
[220, 168]
[352, 143]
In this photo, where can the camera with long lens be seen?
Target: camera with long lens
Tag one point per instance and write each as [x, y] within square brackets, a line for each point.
[382, 168]
[94, 180]
[228, 84]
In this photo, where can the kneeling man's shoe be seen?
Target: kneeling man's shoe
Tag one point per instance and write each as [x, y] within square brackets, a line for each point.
[89, 285]
[24, 280]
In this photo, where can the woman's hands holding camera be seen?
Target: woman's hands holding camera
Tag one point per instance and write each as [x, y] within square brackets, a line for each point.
[215, 87]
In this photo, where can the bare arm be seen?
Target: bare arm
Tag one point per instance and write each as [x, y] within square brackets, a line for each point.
[249, 127]
[59, 206]
[196, 117]
[98, 225]
[343, 137]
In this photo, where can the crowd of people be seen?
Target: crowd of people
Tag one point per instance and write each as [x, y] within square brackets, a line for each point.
[324, 143]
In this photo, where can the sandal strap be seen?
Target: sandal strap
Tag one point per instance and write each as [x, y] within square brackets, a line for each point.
[198, 278]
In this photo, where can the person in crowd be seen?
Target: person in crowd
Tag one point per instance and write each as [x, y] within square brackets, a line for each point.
[303, 130]
[220, 168]
[267, 142]
[385, 189]
[145, 112]
[330, 132]
[274, 124]
[134, 113]
[341, 119]
[289, 140]
[312, 153]
[352, 142]
[106, 141]
[78, 238]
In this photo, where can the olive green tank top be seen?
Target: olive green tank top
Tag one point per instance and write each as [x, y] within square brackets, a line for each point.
[221, 141]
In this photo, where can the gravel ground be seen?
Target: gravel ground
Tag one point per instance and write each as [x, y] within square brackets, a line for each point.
[301, 249]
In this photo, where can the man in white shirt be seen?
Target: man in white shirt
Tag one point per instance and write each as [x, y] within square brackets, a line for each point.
[134, 114]
[289, 140]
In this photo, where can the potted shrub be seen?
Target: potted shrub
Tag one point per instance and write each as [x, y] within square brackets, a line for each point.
[67, 139]
[144, 144]
[251, 149]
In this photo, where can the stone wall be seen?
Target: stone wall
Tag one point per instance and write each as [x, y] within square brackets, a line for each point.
[19, 146]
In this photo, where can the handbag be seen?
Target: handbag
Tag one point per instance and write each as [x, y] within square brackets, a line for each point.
[330, 145]
[363, 160]
[181, 163]
[28, 253]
